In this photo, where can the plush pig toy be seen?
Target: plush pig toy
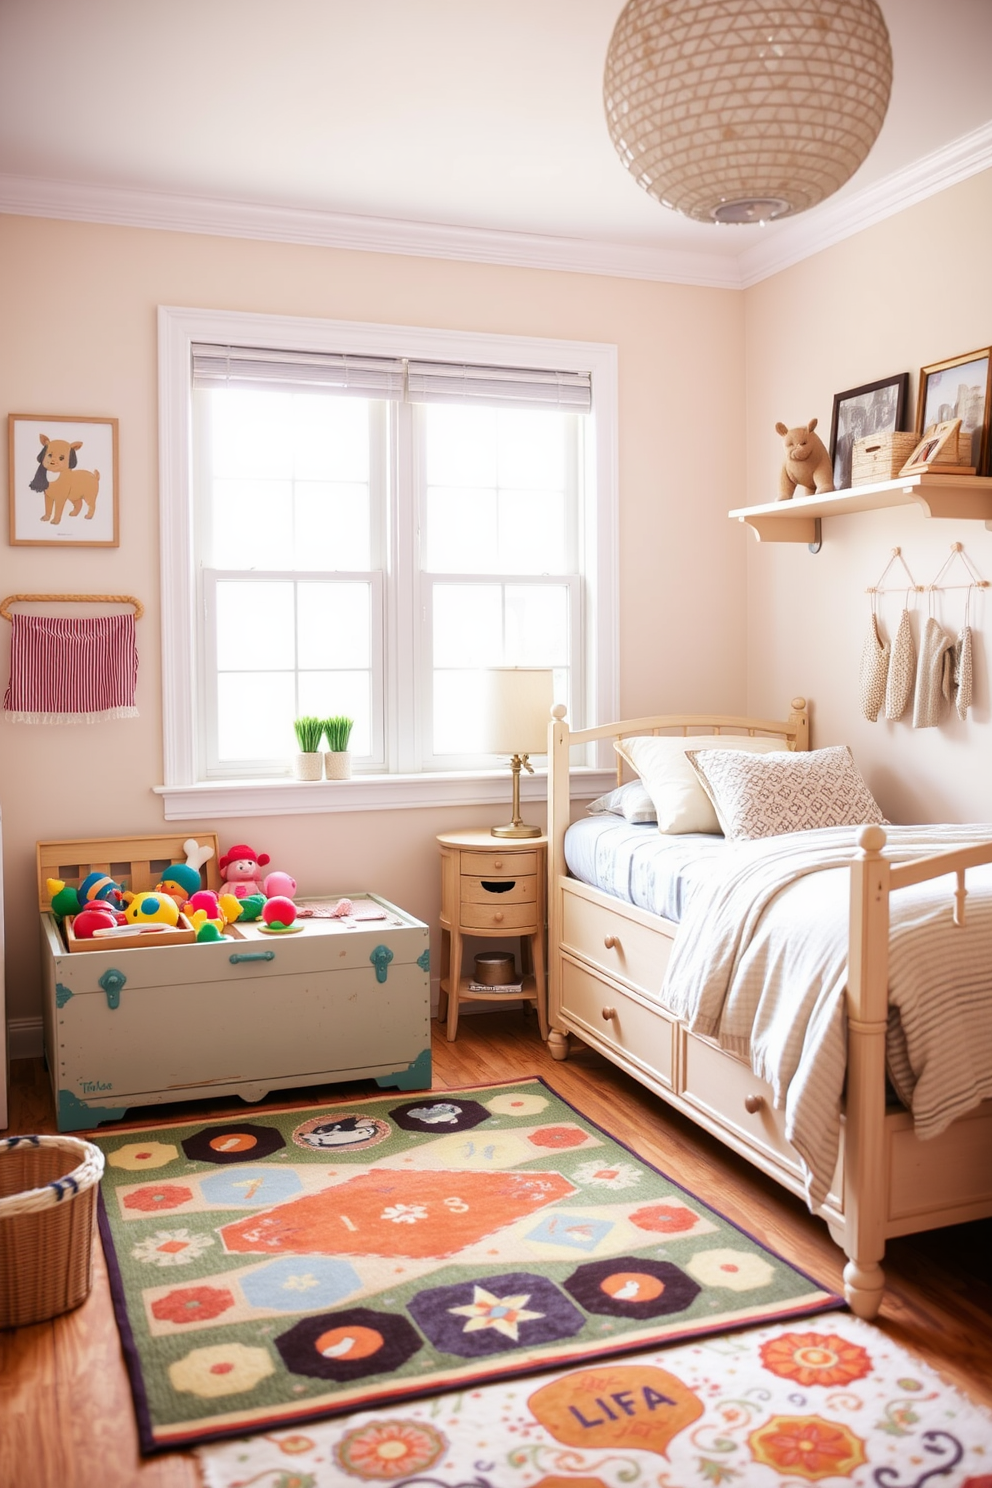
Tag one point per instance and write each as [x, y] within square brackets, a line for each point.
[241, 869]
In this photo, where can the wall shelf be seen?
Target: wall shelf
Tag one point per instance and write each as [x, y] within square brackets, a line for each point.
[957, 496]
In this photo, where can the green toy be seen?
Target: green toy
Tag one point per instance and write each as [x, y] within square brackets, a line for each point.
[251, 907]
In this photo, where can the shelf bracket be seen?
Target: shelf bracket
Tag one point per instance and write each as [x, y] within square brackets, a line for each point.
[817, 542]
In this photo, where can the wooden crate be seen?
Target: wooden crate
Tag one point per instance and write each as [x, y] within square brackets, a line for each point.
[880, 457]
[182, 933]
[136, 863]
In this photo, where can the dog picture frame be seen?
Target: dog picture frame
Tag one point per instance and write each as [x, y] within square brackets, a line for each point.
[960, 387]
[63, 480]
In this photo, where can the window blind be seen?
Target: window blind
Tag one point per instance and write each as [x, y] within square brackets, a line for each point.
[451, 382]
[267, 370]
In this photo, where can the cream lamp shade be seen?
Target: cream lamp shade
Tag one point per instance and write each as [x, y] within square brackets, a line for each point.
[518, 710]
[743, 111]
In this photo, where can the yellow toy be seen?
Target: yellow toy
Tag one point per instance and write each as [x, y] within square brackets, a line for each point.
[152, 906]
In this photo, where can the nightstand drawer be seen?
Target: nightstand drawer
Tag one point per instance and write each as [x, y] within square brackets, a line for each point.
[500, 864]
[499, 891]
[498, 917]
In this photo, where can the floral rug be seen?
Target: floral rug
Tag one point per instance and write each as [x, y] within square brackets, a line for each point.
[306, 1263]
[831, 1401]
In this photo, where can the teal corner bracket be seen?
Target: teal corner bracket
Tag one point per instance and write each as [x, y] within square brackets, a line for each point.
[416, 1076]
[62, 994]
[380, 959]
[76, 1115]
[423, 961]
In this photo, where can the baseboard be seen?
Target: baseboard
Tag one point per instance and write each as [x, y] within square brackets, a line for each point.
[25, 1038]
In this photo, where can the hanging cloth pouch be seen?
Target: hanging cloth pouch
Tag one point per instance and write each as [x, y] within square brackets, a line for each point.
[902, 670]
[874, 668]
[934, 675]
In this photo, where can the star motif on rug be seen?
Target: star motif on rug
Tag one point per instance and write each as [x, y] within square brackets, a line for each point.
[501, 1313]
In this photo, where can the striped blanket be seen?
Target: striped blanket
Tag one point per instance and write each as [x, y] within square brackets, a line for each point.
[760, 965]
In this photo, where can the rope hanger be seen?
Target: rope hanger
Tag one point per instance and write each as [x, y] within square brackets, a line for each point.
[975, 580]
[912, 586]
[12, 599]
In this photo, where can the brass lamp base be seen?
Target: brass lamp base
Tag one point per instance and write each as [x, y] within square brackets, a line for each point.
[517, 828]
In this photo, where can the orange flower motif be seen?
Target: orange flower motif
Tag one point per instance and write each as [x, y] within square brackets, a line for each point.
[389, 1449]
[815, 1359]
[808, 1447]
[558, 1136]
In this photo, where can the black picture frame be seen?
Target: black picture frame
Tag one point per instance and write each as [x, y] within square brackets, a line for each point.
[874, 408]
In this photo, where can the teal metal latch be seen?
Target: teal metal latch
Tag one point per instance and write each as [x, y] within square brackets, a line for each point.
[112, 981]
[252, 956]
[380, 959]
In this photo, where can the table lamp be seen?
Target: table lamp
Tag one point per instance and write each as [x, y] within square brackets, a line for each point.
[518, 713]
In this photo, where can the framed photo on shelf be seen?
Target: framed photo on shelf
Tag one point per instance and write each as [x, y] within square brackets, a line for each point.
[960, 387]
[930, 446]
[875, 408]
[63, 480]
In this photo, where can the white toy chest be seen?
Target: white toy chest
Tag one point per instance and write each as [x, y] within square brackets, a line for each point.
[254, 1012]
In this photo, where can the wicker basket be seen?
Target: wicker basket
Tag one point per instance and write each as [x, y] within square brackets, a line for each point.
[48, 1188]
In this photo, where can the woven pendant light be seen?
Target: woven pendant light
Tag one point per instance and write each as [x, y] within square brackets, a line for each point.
[746, 110]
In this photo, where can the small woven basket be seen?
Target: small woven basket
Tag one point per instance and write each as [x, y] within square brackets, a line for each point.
[48, 1188]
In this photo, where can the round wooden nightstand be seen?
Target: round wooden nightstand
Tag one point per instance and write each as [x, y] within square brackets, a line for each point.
[492, 886]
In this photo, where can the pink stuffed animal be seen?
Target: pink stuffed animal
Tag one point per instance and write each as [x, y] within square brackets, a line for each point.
[279, 885]
[241, 869]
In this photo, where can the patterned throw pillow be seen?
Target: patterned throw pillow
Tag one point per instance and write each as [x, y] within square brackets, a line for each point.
[680, 800]
[631, 801]
[768, 794]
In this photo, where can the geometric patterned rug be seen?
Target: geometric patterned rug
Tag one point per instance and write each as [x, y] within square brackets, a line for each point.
[306, 1263]
[832, 1402]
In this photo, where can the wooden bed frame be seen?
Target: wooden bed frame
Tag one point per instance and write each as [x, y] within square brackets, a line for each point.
[607, 964]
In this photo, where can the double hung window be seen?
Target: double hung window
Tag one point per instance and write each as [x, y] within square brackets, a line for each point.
[362, 529]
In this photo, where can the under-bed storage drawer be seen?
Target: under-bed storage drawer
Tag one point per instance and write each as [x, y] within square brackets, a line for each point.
[726, 1089]
[641, 1035]
[623, 947]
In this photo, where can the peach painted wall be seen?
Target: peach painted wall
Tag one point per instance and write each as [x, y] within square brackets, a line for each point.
[908, 292]
[78, 306]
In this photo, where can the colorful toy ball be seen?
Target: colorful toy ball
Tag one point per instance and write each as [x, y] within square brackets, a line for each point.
[204, 899]
[100, 886]
[152, 906]
[95, 917]
[279, 885]
[279, 913]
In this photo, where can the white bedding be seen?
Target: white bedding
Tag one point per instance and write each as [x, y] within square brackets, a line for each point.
[760, 965]
[637, 863]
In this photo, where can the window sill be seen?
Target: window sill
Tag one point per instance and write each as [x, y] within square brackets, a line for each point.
[221, 798]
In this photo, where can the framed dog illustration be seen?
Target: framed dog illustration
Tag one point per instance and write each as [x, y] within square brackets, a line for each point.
[63, 480]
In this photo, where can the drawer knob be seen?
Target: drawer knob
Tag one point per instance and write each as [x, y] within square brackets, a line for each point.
[498, 916]
[611, 943]
[609, 1013]
[498, 863]
[753, 1104]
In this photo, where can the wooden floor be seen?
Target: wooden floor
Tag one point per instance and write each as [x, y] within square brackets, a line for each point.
[65, 1406]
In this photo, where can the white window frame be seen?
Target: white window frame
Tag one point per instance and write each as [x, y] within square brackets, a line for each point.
[185, 796]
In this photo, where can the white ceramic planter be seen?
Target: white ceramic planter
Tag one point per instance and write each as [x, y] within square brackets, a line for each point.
[307, 766]
[337, 764]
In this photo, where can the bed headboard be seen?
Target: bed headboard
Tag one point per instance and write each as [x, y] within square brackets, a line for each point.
[794, 732]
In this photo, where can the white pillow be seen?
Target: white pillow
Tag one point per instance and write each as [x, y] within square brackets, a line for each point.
[775, 793]
[631, 801]
[681, 803]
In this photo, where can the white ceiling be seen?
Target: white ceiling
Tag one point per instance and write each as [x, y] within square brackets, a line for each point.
[479, 121]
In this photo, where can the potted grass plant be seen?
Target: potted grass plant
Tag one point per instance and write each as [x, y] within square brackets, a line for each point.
[307, 764]
[337, 759]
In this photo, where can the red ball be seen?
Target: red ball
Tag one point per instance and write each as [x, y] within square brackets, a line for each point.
[279, 910]
[93, 918]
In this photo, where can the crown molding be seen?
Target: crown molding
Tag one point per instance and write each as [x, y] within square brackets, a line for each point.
[801, 237]
[781, 245]
[69, 201]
